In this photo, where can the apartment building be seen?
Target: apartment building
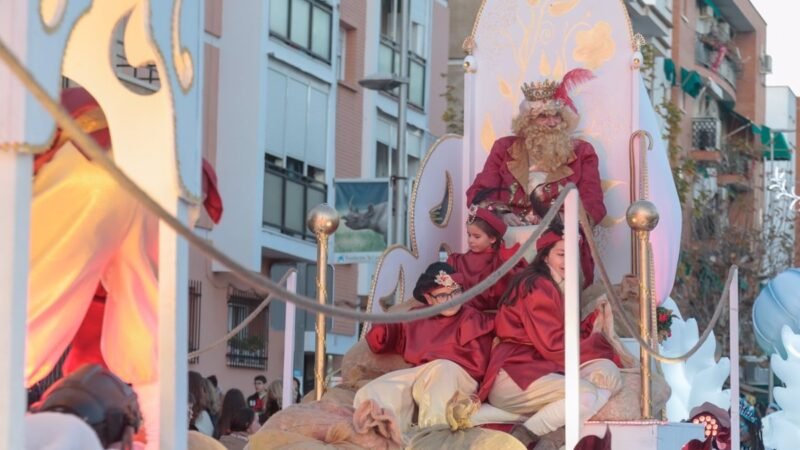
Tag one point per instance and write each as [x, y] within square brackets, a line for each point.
[781, 160]
[718, 68]
[285, 116]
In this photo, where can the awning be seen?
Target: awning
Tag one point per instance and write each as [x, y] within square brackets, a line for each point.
[776, 147]
[691, 82]
[669, 71]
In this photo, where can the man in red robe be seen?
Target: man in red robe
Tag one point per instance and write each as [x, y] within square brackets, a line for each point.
[450, 352]
[524, 173]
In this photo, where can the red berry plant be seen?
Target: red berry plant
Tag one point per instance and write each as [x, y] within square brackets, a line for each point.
[664, 317]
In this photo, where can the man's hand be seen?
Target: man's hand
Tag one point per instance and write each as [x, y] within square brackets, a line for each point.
[533, 219]
[512, 220]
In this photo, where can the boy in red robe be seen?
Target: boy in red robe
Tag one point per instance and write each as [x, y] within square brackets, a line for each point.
[449, 351]
[486, 253]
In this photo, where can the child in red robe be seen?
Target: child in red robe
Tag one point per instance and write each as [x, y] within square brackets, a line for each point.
[525, 373]
[486, 253]
[450, 352]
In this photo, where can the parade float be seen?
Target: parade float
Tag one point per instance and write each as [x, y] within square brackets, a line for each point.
[512, 42]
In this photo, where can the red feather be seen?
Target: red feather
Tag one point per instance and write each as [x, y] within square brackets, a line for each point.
[572, 79]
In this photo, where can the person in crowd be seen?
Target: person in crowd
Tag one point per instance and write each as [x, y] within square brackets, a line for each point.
[526, 371]
[99, 399]
[749, 426]
[201, 419]
[231, 403]
[274, 400]
[243, 424]
[298, 393]
[486, 253]
[449, 352]
[258, 401]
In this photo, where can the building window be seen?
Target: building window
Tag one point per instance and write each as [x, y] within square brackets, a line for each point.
[389, 52]
[248, 348]
[297, 150]
[195, 294]
[341, 54]
[304, 24]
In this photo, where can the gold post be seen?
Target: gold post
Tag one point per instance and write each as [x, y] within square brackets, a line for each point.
[322, 221]
[642, 217]
[642, 134]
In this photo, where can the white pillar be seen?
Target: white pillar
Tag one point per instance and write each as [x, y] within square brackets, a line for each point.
[173, 280]
[15, 200]
[572, 321]
[288, 343]
[734, 345]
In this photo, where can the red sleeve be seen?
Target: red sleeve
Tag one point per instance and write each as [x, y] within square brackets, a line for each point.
[474, 325]
[589, 186]
[544, 326]
[386, 338]
[489, 177]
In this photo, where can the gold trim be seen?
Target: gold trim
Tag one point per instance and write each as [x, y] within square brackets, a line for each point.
[182, 60]
[184, 192]
[449, 210]
[411, 228]
[50, 29]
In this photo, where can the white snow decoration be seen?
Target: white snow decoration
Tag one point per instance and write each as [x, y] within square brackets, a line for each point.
[700, 378]
[782, 428]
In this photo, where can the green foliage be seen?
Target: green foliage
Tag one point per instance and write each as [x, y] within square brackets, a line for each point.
[453, 115]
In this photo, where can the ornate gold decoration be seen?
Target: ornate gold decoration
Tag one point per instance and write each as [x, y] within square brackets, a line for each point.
[488, 135]
[594, 46]
[181, 57]
[51, 13]
[561, 7]
[638, 42]
[539, 90]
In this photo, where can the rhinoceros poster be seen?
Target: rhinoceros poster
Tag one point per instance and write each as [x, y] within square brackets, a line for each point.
[365, 209]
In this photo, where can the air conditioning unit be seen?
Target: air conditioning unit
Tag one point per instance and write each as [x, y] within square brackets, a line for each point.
[766, 63]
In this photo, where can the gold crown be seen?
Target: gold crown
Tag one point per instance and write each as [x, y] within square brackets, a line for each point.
[539, 90]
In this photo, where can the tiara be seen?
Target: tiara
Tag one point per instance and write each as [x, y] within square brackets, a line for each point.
[472, 214]
[539, 90]
[445, 280]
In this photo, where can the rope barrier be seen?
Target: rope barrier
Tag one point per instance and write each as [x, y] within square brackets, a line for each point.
[260, 283]
[616, 303]
[264, 303]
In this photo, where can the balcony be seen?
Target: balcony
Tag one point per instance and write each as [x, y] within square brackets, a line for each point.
[708, 56]
[735, 170]
[288, 196]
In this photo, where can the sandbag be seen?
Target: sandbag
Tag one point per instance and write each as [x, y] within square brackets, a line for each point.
[625, 405]
[439, 438]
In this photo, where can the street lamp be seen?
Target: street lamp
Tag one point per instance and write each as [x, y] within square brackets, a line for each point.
[387, 82]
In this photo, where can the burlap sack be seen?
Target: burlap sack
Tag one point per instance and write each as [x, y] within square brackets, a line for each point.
[317, 425]
[625, 405]
[471, 438]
